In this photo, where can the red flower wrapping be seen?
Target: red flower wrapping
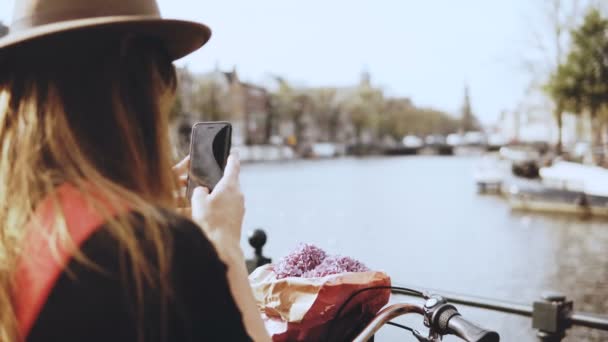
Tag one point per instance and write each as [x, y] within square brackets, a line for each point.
[304, 309]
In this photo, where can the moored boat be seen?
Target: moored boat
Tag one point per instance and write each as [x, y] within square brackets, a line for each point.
[488, 175]
[549, 200]
[565, 188]
[592, 180]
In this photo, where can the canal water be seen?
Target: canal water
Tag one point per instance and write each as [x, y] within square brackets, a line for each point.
[420, 219]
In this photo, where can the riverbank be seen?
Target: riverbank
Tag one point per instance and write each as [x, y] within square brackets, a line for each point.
[282, 153]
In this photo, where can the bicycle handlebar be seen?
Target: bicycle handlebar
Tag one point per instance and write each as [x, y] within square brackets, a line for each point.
[470, 332]
[441, 318]
[445, 319]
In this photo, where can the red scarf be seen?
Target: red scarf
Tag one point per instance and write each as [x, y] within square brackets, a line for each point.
[41, 266]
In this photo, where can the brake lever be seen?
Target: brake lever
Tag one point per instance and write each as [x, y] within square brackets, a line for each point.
[431, 338]
[420, 337]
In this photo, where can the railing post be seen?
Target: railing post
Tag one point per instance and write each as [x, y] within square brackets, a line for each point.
[551, 317]
[257, 240]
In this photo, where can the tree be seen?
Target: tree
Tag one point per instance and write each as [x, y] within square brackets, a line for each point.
[299, 107]
[364, 110]
[589, 59]
[178, 108]
[402, 118]
[550, 42]
[581, 82]
[185, 94]
[326, 112]
[272, 115]
[208, 102]
[565, 87]
[291, 104]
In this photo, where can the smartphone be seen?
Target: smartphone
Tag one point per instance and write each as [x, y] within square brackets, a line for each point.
[210, 145]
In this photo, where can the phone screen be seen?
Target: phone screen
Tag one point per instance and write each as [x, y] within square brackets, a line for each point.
[209, 149]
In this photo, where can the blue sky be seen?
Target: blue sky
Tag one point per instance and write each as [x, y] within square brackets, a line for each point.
[425, 50]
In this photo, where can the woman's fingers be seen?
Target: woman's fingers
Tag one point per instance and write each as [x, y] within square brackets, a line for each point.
[231, 172]
[183, 166]
[233, 168]
[199, 195]
[183, 180]
[180, 170]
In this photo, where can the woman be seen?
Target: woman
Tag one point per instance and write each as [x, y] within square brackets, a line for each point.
[91, 245]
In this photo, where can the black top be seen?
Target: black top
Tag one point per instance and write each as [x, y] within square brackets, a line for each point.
[92, 306]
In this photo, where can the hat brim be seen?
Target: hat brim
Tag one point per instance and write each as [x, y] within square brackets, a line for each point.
[179, 36]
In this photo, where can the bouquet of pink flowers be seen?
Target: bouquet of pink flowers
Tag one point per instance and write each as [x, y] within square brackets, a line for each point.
[300, 296]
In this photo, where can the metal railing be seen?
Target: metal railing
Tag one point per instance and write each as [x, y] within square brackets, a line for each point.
[552, 314]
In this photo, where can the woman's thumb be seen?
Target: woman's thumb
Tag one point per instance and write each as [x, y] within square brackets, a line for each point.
[199, 195]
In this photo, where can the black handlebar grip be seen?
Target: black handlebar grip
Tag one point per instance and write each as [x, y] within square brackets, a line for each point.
[470, 332]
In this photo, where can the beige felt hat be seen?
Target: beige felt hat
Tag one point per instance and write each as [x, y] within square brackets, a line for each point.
[37, 19]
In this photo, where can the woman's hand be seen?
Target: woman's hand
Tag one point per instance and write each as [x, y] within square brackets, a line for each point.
[220, 213]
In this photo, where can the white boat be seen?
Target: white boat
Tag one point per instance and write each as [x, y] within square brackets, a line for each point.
[565, 188]
[592, 180]
[550, 200]
[489, 175]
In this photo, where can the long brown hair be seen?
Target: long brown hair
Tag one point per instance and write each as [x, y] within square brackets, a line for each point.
[85, 109]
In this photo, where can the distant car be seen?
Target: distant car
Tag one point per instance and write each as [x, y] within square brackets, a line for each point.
[474, 138]
[412, 141]
[324, 150]
[496, 140]
[277, 140]
[435, 140]
[454, 139]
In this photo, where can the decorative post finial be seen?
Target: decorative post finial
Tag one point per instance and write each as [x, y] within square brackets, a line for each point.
[257, 240]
